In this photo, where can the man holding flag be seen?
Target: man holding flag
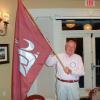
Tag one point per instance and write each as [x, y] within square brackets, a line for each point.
[69, 68]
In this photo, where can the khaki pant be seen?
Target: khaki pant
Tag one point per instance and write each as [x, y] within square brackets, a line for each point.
[67, 91]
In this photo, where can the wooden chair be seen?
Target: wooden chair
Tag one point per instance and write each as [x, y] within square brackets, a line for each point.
[94, 94]
[35, 97]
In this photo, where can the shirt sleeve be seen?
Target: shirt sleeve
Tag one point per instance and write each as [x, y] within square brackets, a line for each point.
[79, 69]
[51, 61]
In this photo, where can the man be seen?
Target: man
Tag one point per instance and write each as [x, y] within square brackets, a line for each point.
[68, 74]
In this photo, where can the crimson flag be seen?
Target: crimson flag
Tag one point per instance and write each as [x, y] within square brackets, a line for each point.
[90, 3]
[29, 54]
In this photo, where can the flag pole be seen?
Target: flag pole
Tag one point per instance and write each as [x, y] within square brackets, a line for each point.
[59, 60]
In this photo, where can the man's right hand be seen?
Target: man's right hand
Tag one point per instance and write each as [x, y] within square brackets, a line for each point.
[67, 70]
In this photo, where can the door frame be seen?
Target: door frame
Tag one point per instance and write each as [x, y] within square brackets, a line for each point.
[94, 60]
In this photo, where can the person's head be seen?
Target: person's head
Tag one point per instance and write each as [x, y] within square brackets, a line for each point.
[70, 47]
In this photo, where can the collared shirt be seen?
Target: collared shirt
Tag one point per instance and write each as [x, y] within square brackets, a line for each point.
[74, 62]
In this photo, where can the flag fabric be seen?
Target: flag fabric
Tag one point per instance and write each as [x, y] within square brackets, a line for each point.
[89, 3]
[29, 53]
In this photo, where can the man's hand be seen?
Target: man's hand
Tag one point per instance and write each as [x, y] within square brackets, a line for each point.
[67, 70]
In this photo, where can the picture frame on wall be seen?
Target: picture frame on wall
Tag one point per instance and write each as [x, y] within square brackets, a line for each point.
[4, 53]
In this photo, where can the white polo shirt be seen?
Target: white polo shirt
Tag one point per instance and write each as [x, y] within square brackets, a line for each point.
[74, 62]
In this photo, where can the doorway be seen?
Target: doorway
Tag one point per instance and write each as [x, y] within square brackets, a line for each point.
[79, 50]
[88, 47]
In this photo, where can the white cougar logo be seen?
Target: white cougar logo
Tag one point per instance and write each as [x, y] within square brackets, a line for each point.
[27, 59]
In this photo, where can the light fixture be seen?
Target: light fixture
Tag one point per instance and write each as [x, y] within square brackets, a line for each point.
[4, 21]
[87, 27]
[70, 23]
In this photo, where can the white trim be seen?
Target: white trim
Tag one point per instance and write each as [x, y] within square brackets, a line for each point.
[81, 31]
[78, 17]
[66, 13]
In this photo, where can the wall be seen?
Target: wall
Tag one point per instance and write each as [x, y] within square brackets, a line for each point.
[5, 69]
[45, 82]
[10, 7]
[58, 3]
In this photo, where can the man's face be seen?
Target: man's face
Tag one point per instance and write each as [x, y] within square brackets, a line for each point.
[70, 47]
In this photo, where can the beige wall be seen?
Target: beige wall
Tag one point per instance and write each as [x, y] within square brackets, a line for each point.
[5, 69]
[58, 3]
[10, 7]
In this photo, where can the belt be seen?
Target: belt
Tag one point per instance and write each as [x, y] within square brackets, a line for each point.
[69, 81]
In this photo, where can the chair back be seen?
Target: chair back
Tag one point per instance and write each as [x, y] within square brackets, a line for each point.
[94, 94]
[35, 97]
